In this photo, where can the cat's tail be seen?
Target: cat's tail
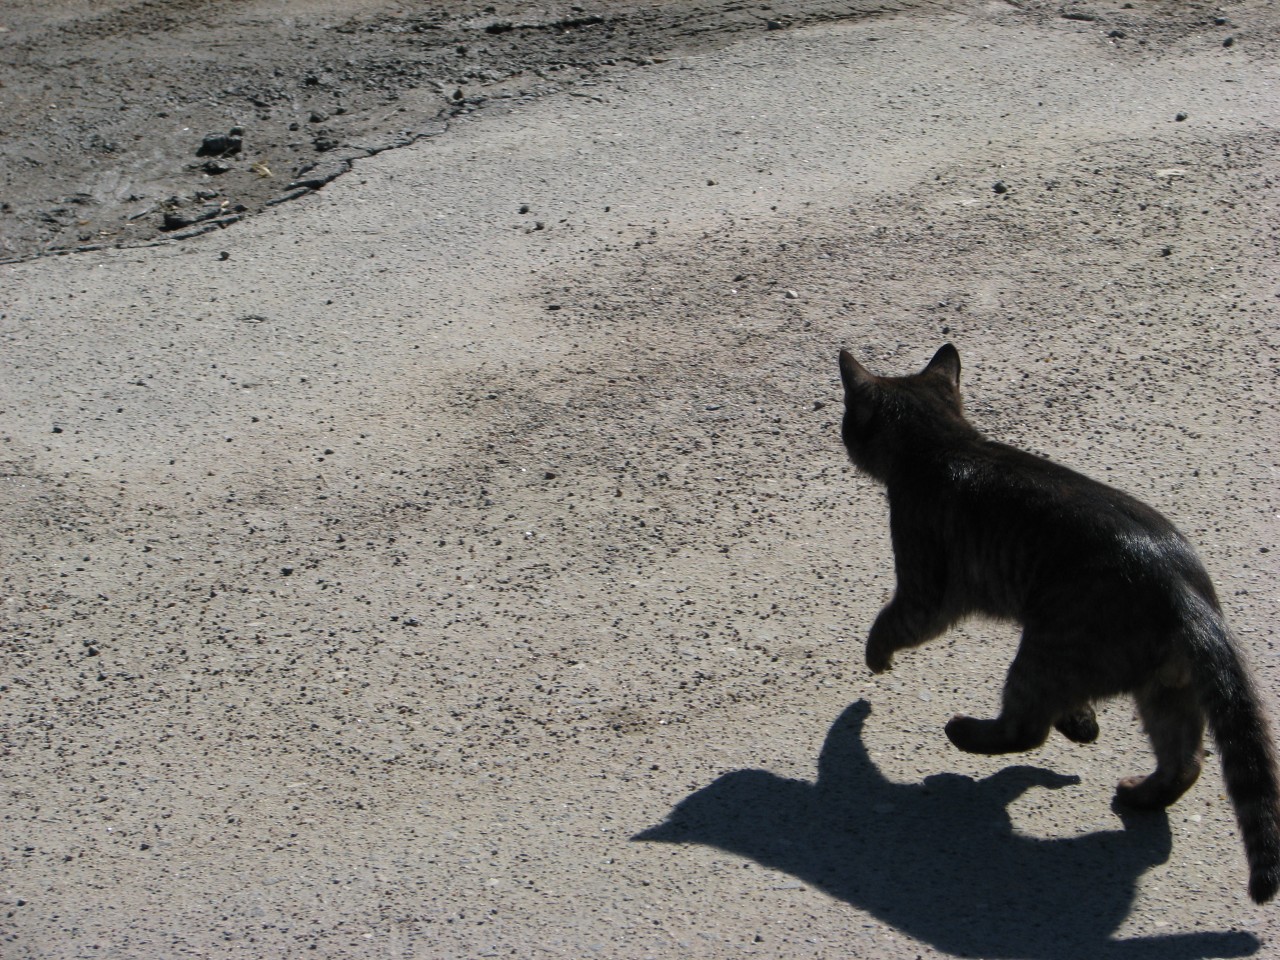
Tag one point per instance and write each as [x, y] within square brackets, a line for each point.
[1244, 740]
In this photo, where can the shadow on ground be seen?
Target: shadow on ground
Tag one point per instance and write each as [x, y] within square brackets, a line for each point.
[940, 860]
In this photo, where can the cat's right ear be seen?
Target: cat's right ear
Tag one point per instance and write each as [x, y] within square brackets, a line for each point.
[857, 379]
[947, 362]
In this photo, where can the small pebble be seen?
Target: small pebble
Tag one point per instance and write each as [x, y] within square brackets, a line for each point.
[1180, 117]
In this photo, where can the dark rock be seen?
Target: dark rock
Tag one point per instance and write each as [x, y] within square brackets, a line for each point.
[999, 187]
[215, 167]
[1180, 117]
[220, 145]
[501, 26]
[1229, 42]
[325, 142]
[318, 116]
[773, 24]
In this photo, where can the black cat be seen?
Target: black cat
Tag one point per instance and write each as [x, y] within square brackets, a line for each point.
[1111, 597]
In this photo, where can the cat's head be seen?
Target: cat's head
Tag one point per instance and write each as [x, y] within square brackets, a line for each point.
[885, 417]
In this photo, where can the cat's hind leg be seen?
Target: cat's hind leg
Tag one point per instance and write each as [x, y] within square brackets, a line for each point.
[1026, 716]
[1174, 722]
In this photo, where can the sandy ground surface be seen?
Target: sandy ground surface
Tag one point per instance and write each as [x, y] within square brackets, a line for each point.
[459, 560]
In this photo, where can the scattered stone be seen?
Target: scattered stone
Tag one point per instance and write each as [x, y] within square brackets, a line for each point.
[500, 26]
[1180, 117]
[318, 116]
[221, 144]
[999, 187]
[524, 208]
[792, 295]
[1229, 42]
[773, 24]
[216, 167]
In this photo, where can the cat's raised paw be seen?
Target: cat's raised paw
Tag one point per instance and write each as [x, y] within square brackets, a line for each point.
[878, 659]
[965, 733]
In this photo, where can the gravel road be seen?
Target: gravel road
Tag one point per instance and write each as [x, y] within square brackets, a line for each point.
[457, 559]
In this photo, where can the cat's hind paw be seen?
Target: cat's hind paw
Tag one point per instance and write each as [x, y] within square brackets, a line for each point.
[1081, 727]
[1158, 790]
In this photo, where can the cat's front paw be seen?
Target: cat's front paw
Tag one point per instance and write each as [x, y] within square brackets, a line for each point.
[879, 658]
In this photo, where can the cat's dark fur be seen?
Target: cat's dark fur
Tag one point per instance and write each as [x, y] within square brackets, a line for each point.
[1111, 597]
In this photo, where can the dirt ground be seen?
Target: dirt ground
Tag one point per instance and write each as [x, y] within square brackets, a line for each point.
[423, 526]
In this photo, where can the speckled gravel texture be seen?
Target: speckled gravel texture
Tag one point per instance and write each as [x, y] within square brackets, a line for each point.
[460, 561]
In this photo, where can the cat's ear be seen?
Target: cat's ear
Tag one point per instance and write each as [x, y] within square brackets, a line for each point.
[857, 378]
[946, 362]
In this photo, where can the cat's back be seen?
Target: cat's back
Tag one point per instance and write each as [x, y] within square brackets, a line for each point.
[995, 507]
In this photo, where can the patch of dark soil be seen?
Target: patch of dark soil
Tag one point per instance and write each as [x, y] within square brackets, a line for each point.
[117, 122]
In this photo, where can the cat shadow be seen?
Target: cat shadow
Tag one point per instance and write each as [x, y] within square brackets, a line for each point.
[940, 860]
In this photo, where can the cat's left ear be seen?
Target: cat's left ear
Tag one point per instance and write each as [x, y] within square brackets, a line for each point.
[946, 362]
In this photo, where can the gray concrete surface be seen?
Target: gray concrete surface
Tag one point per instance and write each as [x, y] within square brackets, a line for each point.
[400, 574]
